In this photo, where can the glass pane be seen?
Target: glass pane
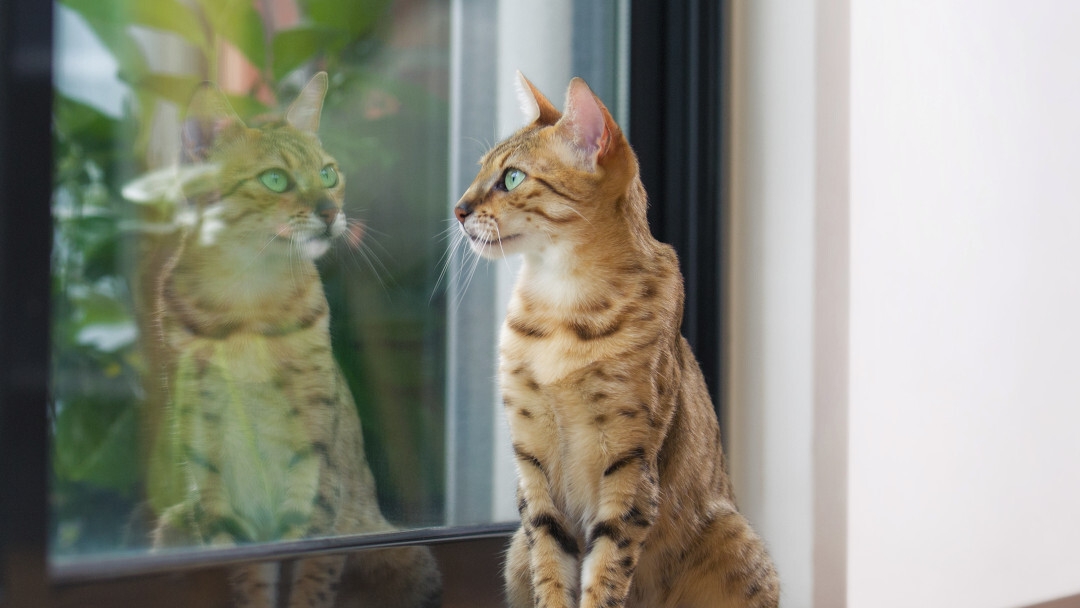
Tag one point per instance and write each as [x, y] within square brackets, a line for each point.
[142, 241]
[550, 42]
[203, 391]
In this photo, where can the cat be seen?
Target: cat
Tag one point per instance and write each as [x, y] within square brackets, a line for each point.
[263, 433]
[623, 493]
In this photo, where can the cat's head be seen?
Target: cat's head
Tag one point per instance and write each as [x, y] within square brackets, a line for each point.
[561, 180]
[271, 185]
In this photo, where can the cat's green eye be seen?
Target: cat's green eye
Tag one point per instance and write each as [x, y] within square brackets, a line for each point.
[329, 177]
[275, 179]
[513, 178]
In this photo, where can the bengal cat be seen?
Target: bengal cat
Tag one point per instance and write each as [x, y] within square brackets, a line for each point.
[623, 493]
[263, 432]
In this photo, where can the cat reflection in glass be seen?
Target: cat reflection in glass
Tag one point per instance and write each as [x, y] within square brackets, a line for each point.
[263, 439]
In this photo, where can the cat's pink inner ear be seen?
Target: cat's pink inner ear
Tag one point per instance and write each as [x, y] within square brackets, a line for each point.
[304, 113]
[535, 107]
[585, 121]
[526, 99]
[199, 134]
[209, 115]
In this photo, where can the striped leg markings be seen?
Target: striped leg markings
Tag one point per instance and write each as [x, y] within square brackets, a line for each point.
[628, 507]
[553, 550]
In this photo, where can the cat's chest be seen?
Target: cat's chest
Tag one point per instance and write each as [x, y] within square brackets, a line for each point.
[550, 362]
[572, 427]
[250, 407]
[272, 376]
[559, 347]
[235, 287]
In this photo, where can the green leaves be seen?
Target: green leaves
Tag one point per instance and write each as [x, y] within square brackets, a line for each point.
[235, 21]
[98, 436]
[327, 28]
[96, 368]
[177, 89]
[294, 47]
[356, 17]
[165, 15]
[238, 22]
[330, 27]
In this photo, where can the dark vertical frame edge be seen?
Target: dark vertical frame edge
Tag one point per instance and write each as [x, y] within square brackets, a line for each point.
[25, 246]
[676, 126]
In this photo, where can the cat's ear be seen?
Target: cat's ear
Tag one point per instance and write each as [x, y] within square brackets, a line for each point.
[209, 115]
[587, 123]
[534, 105]
[304, 113]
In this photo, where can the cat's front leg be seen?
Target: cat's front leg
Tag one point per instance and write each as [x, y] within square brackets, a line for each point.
[516, 572]
[255, 585]
[553, 552]
[315, 581]
[628, 505]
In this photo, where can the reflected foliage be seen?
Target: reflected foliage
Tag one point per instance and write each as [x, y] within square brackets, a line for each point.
[384, 120]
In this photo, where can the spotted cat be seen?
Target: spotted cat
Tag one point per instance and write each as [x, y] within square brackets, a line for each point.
[623, 493]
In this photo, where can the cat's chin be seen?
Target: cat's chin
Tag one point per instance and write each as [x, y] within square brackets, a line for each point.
[313, 249]
[496, 249]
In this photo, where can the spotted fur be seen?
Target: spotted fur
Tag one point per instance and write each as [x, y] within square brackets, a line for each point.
[623, 493]
[263, 441]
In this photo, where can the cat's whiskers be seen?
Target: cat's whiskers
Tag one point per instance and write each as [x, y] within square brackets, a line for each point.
[484, 145]
[472, 269]
[549, 233]
[571, 208]
[296, 256]
[459, 257]
[354, 232]
[255, 258]
[452, 236]
[364, 248]
[469, 262]
[498, 233]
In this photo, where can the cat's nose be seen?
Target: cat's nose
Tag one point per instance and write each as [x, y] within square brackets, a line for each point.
[326, 210]
[463, 210]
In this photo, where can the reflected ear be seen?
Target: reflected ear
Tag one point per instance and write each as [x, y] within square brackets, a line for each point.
[209, 116]
[586, 122]
[534, 105]
[304, 113]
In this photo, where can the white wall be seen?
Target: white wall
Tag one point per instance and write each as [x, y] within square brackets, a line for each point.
[965, 303]
[945, 329]
[769, 356]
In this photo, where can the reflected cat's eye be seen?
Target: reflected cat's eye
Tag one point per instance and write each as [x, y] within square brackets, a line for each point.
[513, 178]
[329, 176]
[276, 180]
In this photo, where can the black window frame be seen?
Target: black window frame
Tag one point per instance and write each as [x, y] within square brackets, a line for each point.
[676, 125]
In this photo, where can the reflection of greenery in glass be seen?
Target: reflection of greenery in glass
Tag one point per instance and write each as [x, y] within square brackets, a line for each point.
[385, 122]
[97, 368]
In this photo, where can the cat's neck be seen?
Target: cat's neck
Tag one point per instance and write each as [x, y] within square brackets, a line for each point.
[567, 271]
[246, 276]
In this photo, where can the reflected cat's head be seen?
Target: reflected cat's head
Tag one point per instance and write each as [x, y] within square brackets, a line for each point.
[269, 185]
